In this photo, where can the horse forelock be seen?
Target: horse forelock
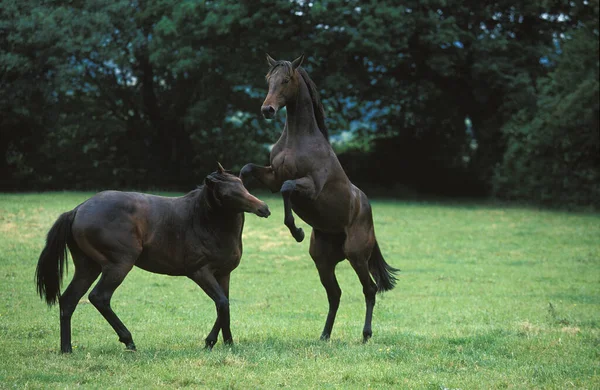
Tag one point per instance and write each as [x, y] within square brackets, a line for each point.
[287, 68]
[217, 177]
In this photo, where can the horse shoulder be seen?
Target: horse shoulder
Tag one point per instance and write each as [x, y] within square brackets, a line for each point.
[219, 247]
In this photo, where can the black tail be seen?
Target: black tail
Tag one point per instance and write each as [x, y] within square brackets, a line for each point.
[383, 273]
[53, 260]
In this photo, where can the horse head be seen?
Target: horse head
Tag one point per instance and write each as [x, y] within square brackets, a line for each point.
[229, 192]
[283, 83]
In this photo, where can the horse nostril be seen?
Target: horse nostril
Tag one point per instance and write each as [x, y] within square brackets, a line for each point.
[268, 111]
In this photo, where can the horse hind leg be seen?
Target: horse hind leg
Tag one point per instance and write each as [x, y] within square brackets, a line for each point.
[369, 290]
[326, 252]
[358, 253]
[86, 271]
[112, 277]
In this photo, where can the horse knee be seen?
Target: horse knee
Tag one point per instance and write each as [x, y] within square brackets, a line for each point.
[222, 305]
[288, 186]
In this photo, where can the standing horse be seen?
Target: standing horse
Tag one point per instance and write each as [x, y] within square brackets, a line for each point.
[305, 169]
[198, 235]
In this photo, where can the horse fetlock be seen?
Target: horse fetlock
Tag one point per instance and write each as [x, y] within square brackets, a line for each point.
[288, 221]
[367, 334]
[223, 306]
[130, 347]
[209, 344]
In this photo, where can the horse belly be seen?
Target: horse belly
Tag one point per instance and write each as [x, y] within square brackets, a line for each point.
[159, 263]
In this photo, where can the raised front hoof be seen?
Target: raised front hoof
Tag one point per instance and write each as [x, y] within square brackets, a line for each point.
[298, 234]
[130, 347]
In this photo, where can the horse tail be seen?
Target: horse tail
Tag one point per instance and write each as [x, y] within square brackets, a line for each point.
[53, 259]
[383, 273]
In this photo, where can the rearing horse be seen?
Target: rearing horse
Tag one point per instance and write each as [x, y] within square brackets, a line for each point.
[305, 169]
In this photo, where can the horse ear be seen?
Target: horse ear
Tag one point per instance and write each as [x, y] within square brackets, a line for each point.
[271, 61]
[220, 167]
[298, 61]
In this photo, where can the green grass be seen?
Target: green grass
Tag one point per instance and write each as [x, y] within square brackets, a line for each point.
[488, 297]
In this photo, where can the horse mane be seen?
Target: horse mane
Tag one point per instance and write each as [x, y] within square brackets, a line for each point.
[316, 101]
[206, 190]
[312, 90]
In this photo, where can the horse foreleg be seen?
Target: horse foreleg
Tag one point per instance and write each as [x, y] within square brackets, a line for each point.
[304, 187]
[264, 175]
[288, 218]
[214, 333]
[207, 281]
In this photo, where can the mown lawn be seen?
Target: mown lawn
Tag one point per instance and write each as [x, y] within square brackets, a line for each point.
[489, 297]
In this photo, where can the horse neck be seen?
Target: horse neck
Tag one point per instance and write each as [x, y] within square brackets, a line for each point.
[301, 120]
[210, 215]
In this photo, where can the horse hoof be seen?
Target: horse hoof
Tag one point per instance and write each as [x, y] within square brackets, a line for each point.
[209, 344]
[325, 337]
[130, 347]
[66, 350]
[299, 235]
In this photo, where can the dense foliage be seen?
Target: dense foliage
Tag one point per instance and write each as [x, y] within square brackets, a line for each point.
[447, 97]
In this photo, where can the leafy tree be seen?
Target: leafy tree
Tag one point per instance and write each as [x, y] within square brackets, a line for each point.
[95, 94]
[553, 152]
[28, 68]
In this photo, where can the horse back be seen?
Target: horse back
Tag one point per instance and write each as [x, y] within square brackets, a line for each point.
[115, 225]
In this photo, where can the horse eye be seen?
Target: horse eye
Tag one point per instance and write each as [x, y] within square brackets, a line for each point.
[286, 80]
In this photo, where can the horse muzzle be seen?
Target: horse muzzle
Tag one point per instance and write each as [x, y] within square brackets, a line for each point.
[268, 111]
[263, 211]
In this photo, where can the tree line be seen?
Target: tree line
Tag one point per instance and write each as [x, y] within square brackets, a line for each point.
[438, 97]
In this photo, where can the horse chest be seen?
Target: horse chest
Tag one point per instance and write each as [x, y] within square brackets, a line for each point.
[227, 258]
[284, 165]
[222, 256]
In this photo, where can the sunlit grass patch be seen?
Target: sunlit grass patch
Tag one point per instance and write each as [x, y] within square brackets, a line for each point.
[488, 297]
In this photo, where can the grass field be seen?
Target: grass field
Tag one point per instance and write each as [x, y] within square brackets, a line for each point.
[488, 297]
